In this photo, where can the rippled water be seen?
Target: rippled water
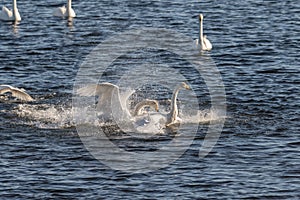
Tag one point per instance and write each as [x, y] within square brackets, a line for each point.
[256, 49]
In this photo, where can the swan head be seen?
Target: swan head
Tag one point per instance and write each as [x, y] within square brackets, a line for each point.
[154, 104]
[185, 86]
[200, 17]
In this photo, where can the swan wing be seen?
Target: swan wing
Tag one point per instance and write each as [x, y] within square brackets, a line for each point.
[15, 92]
[72, 13]
[60, 11]
[96, 89]
[89, 90]
[105, 92]
[6, 14]
[207, 44]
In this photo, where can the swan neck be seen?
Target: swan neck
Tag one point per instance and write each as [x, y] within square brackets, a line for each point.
[15, 9]
[174, 103]
[201, 30]
[139, 106]
[69, 6]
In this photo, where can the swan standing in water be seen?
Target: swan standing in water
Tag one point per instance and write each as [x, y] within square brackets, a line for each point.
[8, 15]
[65, 11]
[16, 92]
[203, 41]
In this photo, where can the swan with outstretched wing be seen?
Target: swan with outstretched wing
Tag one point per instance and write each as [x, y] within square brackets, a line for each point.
[15, 92]
[110, 94]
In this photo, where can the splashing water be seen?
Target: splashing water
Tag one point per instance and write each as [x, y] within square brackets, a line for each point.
[47, 116]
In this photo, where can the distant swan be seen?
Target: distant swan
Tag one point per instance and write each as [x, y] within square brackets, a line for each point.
[15, 92]
[8, 15]
[65, 11]
[203, 41]
[110, 100]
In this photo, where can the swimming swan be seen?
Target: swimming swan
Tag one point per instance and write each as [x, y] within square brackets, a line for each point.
[16, 92]
[8, 15]
[170, 120]
[172, 117]
[65, 11]
[143, 104]
[204, 42]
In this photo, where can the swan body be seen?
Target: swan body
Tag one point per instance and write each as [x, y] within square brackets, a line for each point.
[16, 92]
[65, 11]
[10, 15]
[203, 41]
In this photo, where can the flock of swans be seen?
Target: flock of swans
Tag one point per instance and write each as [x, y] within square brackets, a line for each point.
[14, 15]
[67, 11]
[109, 95]
[110, 100]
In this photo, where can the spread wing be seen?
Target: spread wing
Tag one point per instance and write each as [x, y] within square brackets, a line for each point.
[15, 92]
[97, 89]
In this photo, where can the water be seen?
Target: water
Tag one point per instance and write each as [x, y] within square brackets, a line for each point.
[255, 47]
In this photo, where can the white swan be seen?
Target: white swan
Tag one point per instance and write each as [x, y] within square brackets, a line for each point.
[110, 101]
[65, 11]
[109, 98]
[143, 104]
[8, 15]
[171, 120]
[172, 117]
[16, 92]
[203, 41]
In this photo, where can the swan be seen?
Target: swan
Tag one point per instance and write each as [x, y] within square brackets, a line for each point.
[110, 99]
[170, 120]
[16, 92]
[65, 11]
[8, 15]
[143, 104]
[203, 41]
[172, 117]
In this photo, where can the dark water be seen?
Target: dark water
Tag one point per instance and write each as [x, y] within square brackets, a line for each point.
[256, 49]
